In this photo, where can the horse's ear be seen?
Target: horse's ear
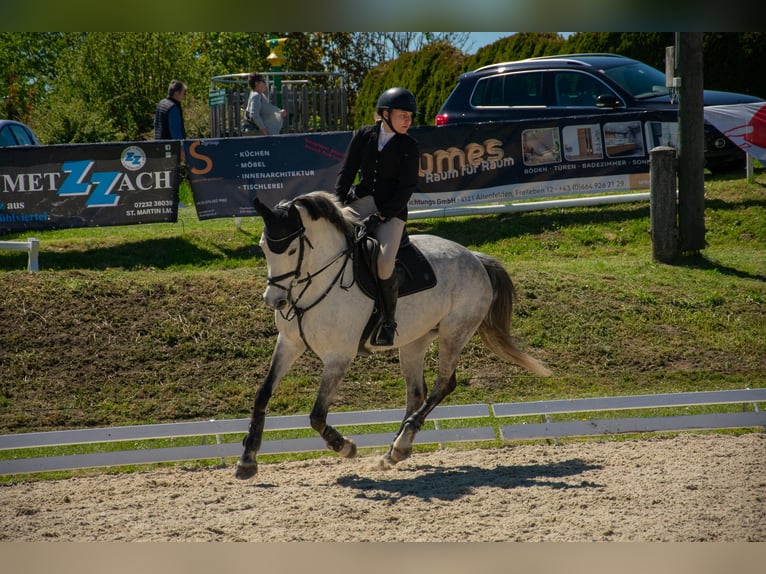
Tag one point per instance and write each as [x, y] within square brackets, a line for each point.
[294, 216]
[263, 210]
[259, 205]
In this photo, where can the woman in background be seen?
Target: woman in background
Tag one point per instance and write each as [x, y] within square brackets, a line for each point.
[261, 116]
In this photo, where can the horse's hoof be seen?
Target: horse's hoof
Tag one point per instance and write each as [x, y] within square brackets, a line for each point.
[385, 463]
[348, 450]
[395, 455]
[401, 449]
[246, 470]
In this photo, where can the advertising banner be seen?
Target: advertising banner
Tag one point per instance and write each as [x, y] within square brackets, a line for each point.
[49, 187]
[744, 124]
[88, 185]
[462, 165]
[226, 174]
[502, 162]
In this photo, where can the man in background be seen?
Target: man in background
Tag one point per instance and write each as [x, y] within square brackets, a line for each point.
[169, 117]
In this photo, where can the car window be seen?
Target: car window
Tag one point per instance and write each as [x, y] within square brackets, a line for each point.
[14, 134]
[639, 80]
[22, 135]
[575, 89]
[6, 137]
[519, 89]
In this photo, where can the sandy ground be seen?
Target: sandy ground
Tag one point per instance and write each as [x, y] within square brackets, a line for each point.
[681, 489]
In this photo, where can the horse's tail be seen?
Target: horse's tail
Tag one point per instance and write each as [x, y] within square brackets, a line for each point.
[495, 329]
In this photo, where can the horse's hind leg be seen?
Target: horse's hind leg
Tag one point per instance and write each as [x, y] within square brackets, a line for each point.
[449, 352]
[333, 372]
[285, 354]
[412, 362]
[402, 445]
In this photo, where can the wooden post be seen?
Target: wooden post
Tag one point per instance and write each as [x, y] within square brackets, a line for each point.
[691, 152]
[662, 204]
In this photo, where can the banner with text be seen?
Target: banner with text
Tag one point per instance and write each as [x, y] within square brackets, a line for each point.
[88, 185]
[511, 161]
[226, 174]
[463, 165]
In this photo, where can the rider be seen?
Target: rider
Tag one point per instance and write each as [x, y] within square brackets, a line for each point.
[386, 159]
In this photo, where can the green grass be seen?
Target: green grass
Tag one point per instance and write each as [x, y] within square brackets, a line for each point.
[165, 322]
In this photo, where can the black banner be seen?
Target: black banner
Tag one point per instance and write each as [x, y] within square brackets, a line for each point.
[226, 174]
[88, 185]
[51, 187]
[500, 161]
[462, 165]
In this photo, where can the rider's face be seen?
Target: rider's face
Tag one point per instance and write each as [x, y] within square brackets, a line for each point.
[400, 120]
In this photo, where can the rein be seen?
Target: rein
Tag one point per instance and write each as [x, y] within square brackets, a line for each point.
[294, 310]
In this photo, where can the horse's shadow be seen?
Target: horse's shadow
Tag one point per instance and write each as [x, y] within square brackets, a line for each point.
[454, 483]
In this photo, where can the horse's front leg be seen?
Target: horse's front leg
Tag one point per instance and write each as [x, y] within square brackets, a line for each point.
[285, 354]
[333, 372]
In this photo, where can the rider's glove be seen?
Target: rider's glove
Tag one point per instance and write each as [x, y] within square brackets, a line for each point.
[371, 222]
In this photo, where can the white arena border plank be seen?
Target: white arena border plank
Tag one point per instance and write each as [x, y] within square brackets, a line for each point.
[361, 418]
[715, 421]
[227, 426]
[222, 450]
[633, 425]
[697, 398]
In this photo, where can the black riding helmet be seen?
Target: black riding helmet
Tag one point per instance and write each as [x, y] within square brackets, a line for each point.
[396, 99]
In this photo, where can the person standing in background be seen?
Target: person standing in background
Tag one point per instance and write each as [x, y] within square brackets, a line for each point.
[261, 116]
[169, 116]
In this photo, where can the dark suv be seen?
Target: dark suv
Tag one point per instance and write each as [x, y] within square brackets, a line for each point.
[578, 84]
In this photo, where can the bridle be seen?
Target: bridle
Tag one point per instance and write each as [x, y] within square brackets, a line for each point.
[294, 309]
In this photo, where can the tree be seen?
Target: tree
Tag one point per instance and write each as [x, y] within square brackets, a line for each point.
[357, 55]
[649, 47]
[110, 83]
[222, 53]
[27, 70]
[731, 62]
[96, 86]
[731, 59]
[429, 73]
[517, 47]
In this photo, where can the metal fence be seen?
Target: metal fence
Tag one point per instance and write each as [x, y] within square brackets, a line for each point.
[314, 101]
[504, 425]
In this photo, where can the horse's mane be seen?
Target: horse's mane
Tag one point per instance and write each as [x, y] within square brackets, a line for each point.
[321, 204]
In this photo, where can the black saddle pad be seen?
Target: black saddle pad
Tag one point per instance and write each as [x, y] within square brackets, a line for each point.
[414, 271]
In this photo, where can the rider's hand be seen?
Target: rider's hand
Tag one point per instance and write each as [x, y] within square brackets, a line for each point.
[372, 221]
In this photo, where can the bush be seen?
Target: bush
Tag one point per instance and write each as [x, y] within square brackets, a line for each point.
[72, 122]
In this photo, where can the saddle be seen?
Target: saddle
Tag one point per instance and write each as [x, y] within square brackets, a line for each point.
[414, 274]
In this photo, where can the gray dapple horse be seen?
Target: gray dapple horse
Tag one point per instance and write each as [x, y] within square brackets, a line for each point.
[309, 246]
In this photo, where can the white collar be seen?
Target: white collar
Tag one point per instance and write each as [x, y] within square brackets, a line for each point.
[384, 137]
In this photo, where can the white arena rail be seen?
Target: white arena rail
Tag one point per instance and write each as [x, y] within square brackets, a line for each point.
[755, 418]
[31, 246]
[508, 432]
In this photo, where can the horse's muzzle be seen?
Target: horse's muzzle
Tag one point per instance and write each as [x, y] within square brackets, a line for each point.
[278, 302]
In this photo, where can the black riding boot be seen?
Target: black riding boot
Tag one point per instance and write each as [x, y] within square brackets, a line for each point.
[389, 292]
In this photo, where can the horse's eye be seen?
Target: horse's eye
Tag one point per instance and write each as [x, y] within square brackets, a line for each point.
[292, 251]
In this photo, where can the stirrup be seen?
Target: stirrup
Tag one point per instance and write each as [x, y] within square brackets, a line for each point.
[385, 335]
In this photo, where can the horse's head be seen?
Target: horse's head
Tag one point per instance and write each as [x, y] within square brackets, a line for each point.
[293, 234]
